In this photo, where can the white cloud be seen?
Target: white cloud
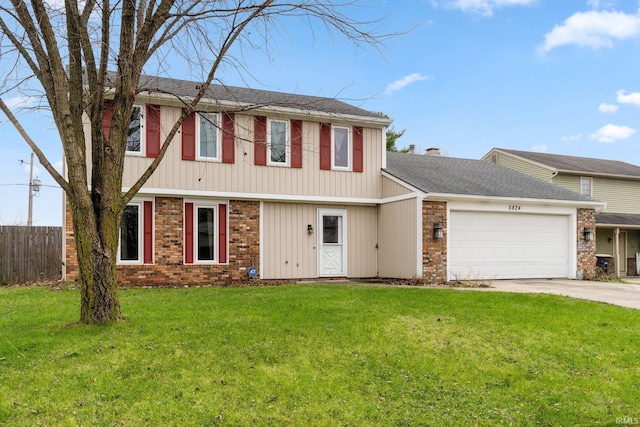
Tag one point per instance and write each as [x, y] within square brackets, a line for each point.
[607, 108]
[593, 29]
[539, 148]
[404, 82]
[632, 98]
[485, 7]
[612, 133]
[577, 137]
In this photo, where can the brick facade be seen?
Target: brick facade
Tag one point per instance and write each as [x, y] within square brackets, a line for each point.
[434, 251]
[586, 260]
[168, 267]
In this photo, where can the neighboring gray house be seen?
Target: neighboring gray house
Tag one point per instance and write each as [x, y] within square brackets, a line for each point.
[614, 182]
[496, 223]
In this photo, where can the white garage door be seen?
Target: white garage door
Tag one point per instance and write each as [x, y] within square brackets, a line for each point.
[490, 245]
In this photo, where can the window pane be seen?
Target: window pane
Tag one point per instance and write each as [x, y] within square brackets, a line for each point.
[206, 234]
[341, 148]
[133, 138]
[278, 142]
[129, 230]
[208, 135]
[331, 229]
[585, 186]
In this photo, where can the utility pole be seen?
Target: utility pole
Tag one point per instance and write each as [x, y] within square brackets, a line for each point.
[30, 219]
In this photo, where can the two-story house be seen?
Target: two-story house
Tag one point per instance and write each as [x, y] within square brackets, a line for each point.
[614, 182]
[281, 184]
[284, 186]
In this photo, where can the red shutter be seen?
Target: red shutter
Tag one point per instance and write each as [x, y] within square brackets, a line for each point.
[325, 146]
[222, 233]
[148, 232]
[260, 140]
[296, 143]
[228, 138]
[358, 149]
[189, 137]
[152, 123]
[107, 115]
[188, 233]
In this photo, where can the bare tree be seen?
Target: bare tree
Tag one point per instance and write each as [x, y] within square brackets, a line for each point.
[67, 47]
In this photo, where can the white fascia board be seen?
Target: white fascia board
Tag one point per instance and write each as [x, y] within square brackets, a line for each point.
[622, 226]
[256, 196]
[167, 99]
[514, 200]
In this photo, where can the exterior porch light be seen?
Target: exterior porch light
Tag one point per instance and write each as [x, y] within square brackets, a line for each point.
[588, 234]
[309, 228]
[438, 231]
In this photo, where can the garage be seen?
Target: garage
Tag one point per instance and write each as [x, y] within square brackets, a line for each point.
[509, 245]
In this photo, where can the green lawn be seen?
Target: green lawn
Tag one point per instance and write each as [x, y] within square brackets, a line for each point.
[318, 355]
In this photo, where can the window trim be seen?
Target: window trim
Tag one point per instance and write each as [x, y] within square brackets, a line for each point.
[143, 132]
[138, 201]
[590, 181]
[199, 156]
[287, 142]
[349, 130]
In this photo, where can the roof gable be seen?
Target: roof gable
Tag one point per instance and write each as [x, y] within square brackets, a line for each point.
[446, 175]
[576, 164]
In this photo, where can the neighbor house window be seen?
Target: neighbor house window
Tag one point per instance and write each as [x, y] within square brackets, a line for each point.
[205, 234]
[130, 250]
[341, 147]
[586, 185]
[135, 137]
[277, 142]
[208, 136]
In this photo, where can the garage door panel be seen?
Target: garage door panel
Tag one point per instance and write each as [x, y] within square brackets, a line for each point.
[496, 245]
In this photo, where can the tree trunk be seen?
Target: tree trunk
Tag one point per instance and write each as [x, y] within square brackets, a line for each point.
[96, 239]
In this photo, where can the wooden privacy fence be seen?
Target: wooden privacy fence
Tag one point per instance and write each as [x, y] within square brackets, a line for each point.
[29, 254]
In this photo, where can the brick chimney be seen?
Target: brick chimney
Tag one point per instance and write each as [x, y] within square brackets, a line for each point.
[432, 151]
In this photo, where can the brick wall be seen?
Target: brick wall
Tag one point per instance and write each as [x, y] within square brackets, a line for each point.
[168, 267]
[434, 251]
[586, 249]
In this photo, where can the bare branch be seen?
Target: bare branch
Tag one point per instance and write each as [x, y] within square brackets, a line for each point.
[41, 157]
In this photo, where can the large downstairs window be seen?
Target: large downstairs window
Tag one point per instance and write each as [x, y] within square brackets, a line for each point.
[136, 233]
[205, 232]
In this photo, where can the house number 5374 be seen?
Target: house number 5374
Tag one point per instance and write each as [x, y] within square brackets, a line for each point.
[514, 207]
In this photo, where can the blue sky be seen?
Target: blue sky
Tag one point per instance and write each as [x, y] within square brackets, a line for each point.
[559, 76]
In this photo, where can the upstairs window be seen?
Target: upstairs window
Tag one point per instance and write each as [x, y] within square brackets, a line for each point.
[135, 137]
[279, 149]
[341, 147]
[586, 185]
[208, 136]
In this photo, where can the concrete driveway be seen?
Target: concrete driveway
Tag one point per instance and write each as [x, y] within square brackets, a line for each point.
[625, 295]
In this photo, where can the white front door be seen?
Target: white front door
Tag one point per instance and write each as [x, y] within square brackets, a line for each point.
[332, 242]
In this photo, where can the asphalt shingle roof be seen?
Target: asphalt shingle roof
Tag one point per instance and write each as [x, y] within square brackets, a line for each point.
[617, 218]
[579, 164]
[253, 98]
[447, 175]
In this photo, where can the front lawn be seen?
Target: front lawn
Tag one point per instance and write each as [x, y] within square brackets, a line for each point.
[318, 355]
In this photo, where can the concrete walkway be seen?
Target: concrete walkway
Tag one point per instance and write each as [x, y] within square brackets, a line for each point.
[625, 295]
